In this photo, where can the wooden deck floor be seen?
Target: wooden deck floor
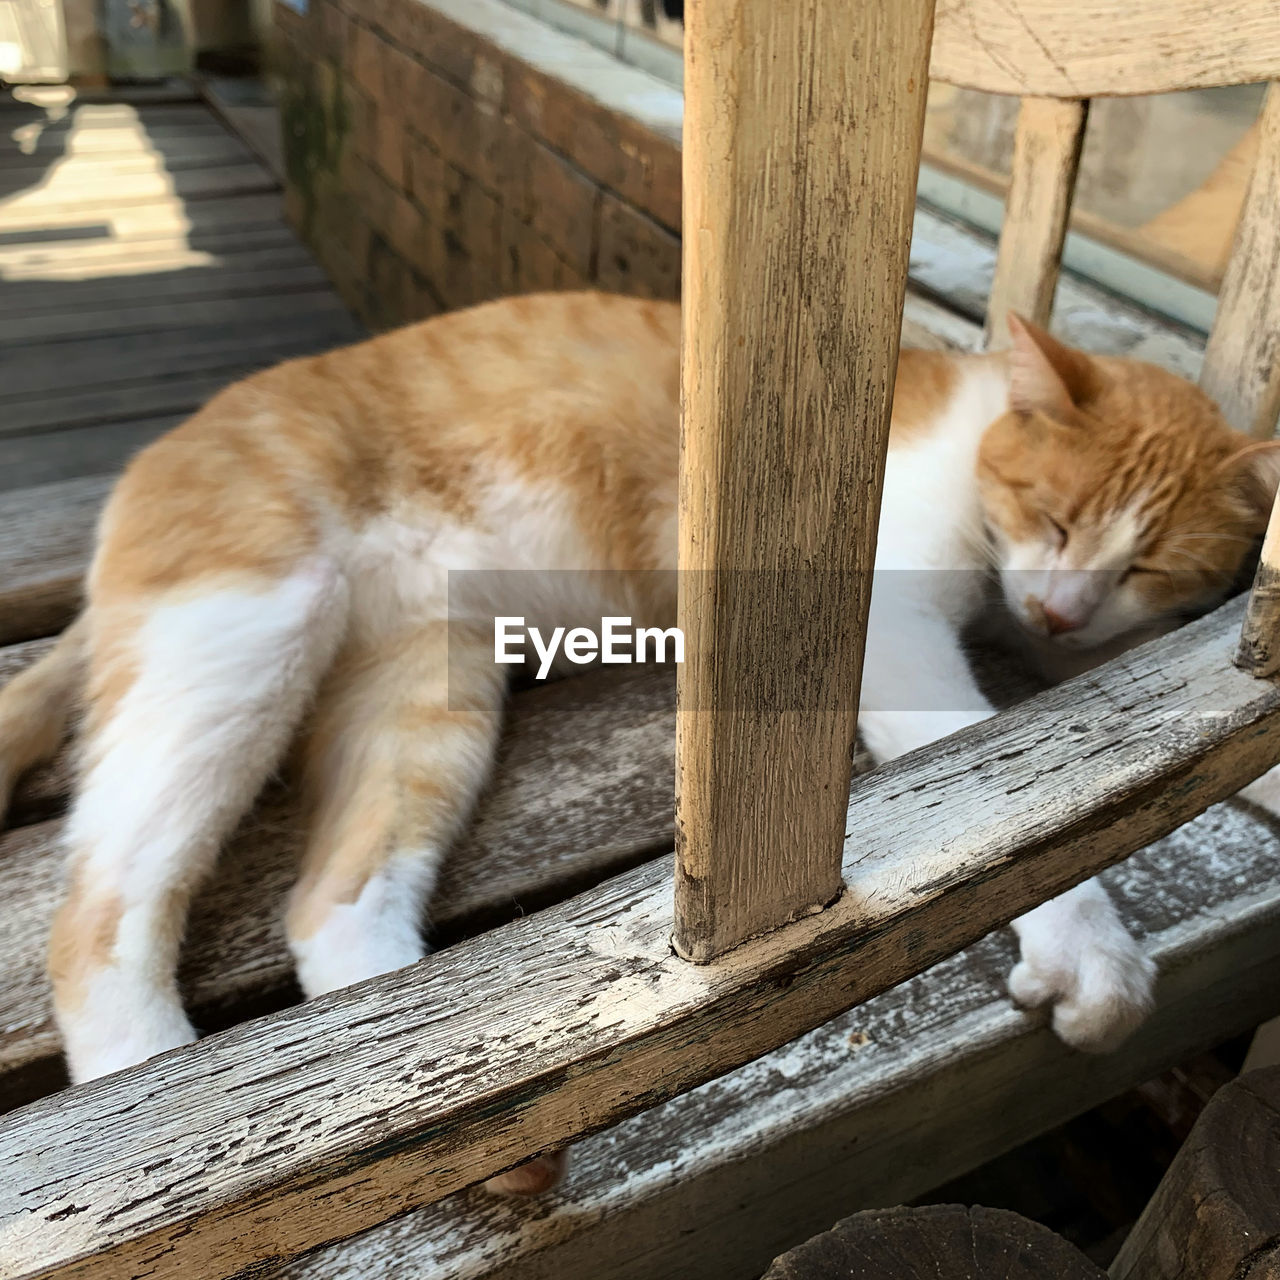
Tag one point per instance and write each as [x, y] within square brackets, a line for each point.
[144, 264]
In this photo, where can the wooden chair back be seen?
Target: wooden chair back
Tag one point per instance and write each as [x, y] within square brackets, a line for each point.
[1056, 55]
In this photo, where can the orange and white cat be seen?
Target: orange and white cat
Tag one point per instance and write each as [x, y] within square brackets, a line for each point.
[277, 569]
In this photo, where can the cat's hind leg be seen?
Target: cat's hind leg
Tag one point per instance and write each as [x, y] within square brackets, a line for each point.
[1078, 957]
[193, 696]
[402, 740]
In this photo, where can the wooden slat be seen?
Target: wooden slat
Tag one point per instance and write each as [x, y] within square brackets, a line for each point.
[109, 360]
[111, 115]
[220, 282]
[1259, 651]
[63, 259]
[45, 537]
[1242, 359]
[127, 138]
[68, 193]
[1046, 156]
[267, 1140]
[796, 235]
[136, 155]
[249, 273]
[100, 407]
[908, 1091]
[78, 452]
[146, 221]
[1097, 48]
[16, 331]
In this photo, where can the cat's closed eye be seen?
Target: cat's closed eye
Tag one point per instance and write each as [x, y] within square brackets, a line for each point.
[1138, 570]
[1059, 531]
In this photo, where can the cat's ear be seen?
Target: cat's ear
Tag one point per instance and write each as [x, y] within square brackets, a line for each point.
[1043, 373]
[1256, 470]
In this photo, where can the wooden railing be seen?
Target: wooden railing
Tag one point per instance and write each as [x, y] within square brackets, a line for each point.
[796, 899]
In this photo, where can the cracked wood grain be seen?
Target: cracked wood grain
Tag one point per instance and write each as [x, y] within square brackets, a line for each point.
[1099, 48]
[799, 184]
[287, 1133]
[879, 1106]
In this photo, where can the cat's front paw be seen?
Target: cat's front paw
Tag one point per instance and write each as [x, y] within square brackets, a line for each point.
[1100, 992]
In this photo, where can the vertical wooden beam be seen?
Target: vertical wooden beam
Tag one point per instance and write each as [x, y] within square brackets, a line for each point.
[1242, 360]
[801, 144]
[1046, 157]
[1259, 652]
[86, 43]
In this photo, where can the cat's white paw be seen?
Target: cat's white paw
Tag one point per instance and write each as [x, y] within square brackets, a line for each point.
[94, 1049]
[1101, 990]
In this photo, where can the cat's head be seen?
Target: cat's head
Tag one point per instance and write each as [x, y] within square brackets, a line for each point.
[1115, 493]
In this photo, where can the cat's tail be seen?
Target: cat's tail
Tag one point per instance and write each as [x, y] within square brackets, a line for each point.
[36, 705]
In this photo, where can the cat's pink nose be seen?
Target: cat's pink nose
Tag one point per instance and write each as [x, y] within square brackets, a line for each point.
[1056, 623]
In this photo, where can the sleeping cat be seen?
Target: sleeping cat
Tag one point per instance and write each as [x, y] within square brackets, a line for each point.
[278, 564]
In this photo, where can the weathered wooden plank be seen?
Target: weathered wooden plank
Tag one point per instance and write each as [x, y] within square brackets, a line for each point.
[108, 360]
[132, 222]
[17, 331]
[201, 276]
[126, 138]
[1098, 48]
[64, 259]
[881, 1105]
[1046, 156]
[111, 115]
[46, 535]
[1242, 358]
[581, 791]
[65, 194]
[350, 1109]
[101, 407]
[1216, 1213]
[136, 154]
[43, 460]
[796, 236]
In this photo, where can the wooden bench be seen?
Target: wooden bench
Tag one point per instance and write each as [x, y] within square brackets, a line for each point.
[277, 1141]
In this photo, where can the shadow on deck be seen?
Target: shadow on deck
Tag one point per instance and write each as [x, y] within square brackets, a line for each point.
[144, 264]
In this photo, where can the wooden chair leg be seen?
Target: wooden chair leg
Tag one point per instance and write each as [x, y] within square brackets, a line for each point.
[799, 185]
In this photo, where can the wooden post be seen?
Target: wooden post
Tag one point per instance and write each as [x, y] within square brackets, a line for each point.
[1242, 358]
[1216, 1213]
[1046, 156]
[1259, 651]
[86, 43]
[801, 144]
